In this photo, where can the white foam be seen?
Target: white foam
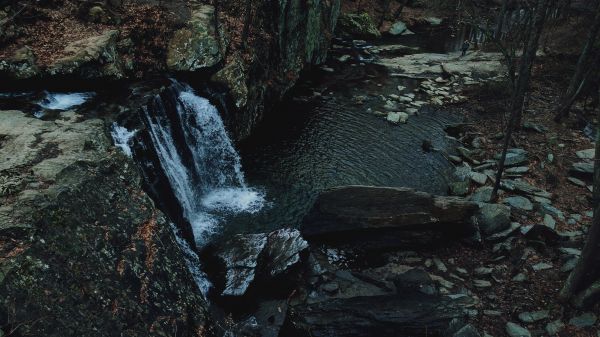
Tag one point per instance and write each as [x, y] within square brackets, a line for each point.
[122, 138]
[193, 263]
[234, 200]
[64, 101]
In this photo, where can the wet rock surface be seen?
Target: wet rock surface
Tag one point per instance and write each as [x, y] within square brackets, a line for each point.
[401, 215]
[84, 248]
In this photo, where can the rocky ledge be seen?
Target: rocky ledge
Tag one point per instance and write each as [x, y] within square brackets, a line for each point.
[84, 250]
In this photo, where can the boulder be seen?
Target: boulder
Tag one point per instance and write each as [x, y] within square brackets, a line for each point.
[21, 65]
[359, 26]
[399, 28]
[583, 169]
[246, 257]
[89, 253]
[240, 257]
[235, 77]
[411, 314]
[91, 57]
[391, 216]
[195, 46]
[493, 218]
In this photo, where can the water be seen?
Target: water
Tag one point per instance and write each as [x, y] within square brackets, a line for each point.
[123, 138]
[303, 148]
[64, 101]
[199, 161]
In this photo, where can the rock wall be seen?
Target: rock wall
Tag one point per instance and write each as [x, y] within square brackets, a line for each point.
[84, 251]
[254, 53]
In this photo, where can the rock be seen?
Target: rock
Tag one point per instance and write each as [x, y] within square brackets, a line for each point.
[570, 251]
[481, 271]
[122, 255]
[21, 65]
[415, 280]
[482, 194]
[553, 328]
[98, 14]
[91, 58]
[357, 26]
[585, 169]
[519, 203]
[545, 208]
[283, 250]
[397, 117]
[514, 226]
[584, 320]
[459, 188]
[479, 178]
[234, 76]
[515, 330]
[387, 215]
[433, 21]
[523, 187]
[467, 331]
[196, 46]
[542, 266]
[246, 255]
[576, 182]
[398, 28]
[412, 314]
[240, 257]
[514, 157]
[532, 317]
[535, 127]
[569, 265]
[549, 221]
[482, 283]
[517, 170]
[586, 154]
[440, 265]
[520, 278]
[493, 218]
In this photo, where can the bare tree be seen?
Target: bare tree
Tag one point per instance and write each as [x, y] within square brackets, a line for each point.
[582, 287]
[521, 84]
[582, 71]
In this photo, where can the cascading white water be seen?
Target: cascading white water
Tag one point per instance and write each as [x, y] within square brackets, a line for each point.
[122, 138]
[199, 160]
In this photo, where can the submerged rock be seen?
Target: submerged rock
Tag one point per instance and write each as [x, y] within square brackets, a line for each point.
[515, 330]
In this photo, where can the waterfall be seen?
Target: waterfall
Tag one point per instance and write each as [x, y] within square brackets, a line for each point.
[199, 160]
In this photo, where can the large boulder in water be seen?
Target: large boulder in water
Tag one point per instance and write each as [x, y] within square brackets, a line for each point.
[195, 46]
[260, 257]
[410, 314]
[388, 216]
[357, 26]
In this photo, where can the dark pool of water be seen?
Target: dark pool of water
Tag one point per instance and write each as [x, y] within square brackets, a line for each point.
[304, 147]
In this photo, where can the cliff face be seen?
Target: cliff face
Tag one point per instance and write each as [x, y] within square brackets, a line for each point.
[264, 62]
[255, 50]
[84, 250]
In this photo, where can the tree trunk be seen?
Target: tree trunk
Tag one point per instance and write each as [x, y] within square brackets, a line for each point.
[534, 31]
[582, 287]
[581, 72]
[503, 12]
